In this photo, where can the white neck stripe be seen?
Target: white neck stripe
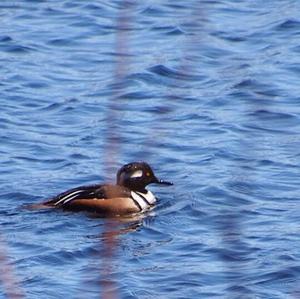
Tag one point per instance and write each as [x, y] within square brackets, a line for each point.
[144, 200]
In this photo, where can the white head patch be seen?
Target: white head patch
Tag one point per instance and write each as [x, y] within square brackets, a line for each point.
[137, 174]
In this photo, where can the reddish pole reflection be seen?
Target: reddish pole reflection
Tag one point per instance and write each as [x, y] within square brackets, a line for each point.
[9, 282]
[110, 243]
[113, 115]
[108, 284]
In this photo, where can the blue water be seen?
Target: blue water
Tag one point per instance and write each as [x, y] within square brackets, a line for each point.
[207, 92]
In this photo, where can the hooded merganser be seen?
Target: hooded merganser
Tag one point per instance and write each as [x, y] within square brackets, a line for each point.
[129, 195]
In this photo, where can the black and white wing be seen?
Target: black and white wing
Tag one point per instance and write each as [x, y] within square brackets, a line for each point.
[83, 192]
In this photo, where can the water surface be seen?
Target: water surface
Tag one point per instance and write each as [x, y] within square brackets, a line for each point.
[207, 92]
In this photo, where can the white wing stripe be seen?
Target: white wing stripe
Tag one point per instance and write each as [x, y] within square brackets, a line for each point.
[67, 197]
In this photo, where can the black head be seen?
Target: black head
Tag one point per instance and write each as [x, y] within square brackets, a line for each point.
[137, 175]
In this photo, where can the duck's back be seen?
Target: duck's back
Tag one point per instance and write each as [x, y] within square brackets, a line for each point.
[111, 199]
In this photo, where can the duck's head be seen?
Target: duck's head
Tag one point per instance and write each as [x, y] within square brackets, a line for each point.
[137, 175]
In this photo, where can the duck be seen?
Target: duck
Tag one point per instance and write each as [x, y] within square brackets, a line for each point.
[129, 195]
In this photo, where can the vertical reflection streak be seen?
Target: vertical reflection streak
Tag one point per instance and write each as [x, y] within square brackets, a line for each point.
[164, 111]
[113, 116]
[108, 283]
[10, 284]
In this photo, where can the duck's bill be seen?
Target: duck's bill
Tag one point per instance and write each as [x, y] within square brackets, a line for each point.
[162, 182]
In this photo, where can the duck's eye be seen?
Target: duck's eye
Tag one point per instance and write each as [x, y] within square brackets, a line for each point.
[148, 174]
[137, 174]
